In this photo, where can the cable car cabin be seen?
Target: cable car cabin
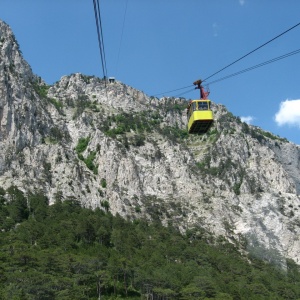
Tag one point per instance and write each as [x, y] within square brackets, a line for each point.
[200, 116]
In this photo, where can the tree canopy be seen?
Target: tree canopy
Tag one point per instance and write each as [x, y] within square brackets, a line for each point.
[64, 251]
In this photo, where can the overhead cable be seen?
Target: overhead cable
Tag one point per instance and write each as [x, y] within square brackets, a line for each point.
[102, 40]
[249, 69]
[237, 59]
[100, 36]
[276, 37]
[174, 90]
[184, 93]
[257, 66]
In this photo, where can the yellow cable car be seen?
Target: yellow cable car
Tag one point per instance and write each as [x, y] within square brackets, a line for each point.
[199, 113]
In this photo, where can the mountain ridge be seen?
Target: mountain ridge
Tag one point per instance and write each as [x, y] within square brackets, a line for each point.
[111, 146]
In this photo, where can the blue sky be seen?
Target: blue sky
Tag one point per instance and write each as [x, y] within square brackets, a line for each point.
[168, 44]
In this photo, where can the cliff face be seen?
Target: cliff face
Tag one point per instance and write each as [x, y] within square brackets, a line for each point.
[111, 146]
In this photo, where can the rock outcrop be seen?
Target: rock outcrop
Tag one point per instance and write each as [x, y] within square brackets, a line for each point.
[112, 146]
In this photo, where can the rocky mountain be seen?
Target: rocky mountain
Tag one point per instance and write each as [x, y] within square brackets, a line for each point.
[111, 146]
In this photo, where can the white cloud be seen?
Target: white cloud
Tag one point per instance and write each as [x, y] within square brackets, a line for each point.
[289, 113]
[242, 2]
[247, 120]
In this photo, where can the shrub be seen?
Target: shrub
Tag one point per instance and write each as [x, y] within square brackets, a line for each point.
[103, 183]
[82, 145]
[105, 205]
[89, 161]
[58, 104]
[41, 89]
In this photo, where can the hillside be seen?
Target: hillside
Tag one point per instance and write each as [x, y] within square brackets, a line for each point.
[118, 149]
[65, 252]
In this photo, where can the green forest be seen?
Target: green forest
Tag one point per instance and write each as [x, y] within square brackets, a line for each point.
[64, 251]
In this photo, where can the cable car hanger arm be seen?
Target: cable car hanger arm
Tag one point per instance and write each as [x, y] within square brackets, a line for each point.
[203, 94]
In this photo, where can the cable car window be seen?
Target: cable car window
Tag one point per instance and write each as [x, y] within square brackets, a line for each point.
[202, 105]
[194, 106]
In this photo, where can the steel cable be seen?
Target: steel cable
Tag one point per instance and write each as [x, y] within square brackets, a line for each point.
[258, 65]
[236, 60]
[100, 36]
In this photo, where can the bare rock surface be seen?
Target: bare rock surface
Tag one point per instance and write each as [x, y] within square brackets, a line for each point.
[111, 146]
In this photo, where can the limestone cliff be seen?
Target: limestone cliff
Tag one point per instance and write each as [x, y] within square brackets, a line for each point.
[112, 146]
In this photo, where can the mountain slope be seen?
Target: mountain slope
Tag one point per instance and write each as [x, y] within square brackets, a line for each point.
[118, 149]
